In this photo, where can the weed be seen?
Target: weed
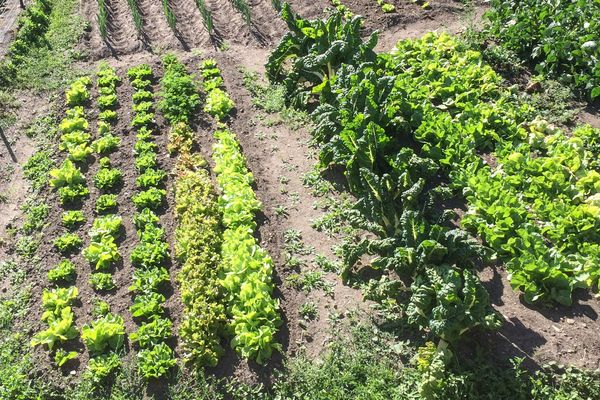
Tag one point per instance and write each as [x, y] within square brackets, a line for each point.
[294, 199]
[281, 210]
[224, 46]
[334, 221]
[327, 265]
[294, 244]
[293, 261]
[42, 128]
[50, 67]
[314, 181]
[308, 311]
[555, 102]
[271, 99]
[35, 216]
[26, 246]
[37, 168]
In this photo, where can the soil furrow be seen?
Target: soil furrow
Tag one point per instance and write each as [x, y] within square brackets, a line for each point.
[189, 23]
[229, 23]
[122, 34]
[156, 28]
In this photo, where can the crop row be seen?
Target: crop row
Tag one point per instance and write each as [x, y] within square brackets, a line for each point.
[71, 186]
[360, 126]
[151, 256]
[72, 189]
[225, 277]
[104, 337]
[198, 234]
[246, 267]
[536, 208]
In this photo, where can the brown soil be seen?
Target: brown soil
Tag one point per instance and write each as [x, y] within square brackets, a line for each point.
[190, 33]
[15, 149]
[566, 335]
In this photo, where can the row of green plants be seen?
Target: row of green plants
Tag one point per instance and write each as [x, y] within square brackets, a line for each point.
[71, 186]
[536, 207]
[243, 8]
[102, 18]
[409, 127]
[102, 252]
[560, 39]
[198, 232]
[206, 14]
[364, 128]
[169, 14]
[150, 258]
[31, 30]
[246, 268]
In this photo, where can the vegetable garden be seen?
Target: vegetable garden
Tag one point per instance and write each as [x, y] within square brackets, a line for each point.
[237, 200]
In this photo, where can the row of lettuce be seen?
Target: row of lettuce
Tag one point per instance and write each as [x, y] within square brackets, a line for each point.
[150, 258]
[225, 277]
[419, 130]
[104, 335]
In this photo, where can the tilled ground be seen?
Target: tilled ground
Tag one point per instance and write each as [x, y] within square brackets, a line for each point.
[273, 152]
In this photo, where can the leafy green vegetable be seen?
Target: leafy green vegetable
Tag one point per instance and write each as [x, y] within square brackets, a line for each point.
[151, 198]
[312, 51]
[104, 334]
[102, 253]
[151, 178]
[108, 178]
[106, 144]
[197, 246]
[218, 104]
[73, 218]
[78, 93]
[152, 333]
[106, 203]
[246, 269]
[68, 243]
[561, 38]
[106, 227]
[63, 272]
[156, 361]
[61, 357]
[60, 329]
[102, 281]
[149, 280]
[179, 96]
[103, 366]
[150, 254]
[148, 305]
